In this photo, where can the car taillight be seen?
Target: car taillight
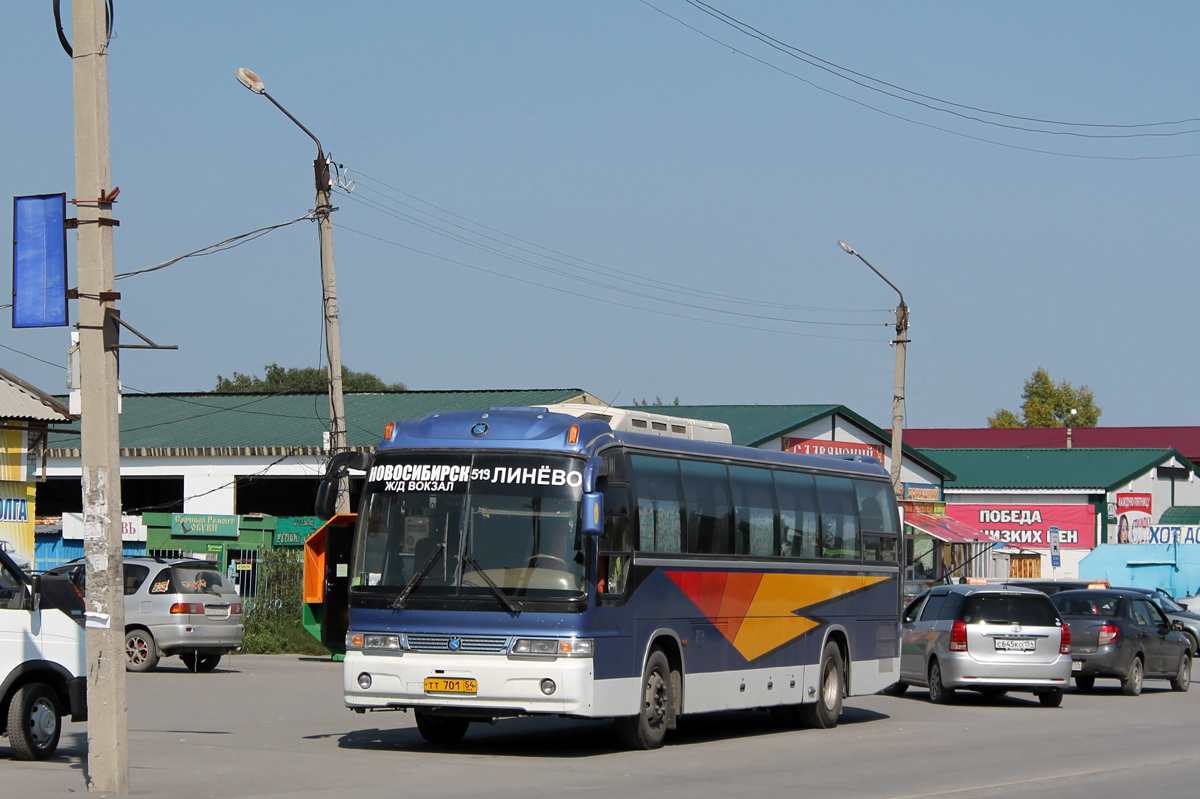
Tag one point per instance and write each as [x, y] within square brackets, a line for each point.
[187, 607]
[1064, 647]
[235, 609]
[958, 637]
[1108, 634]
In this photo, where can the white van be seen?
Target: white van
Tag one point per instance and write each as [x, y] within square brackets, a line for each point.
[43, 669]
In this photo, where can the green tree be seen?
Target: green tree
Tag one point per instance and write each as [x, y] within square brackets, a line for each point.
[1046, 404]
[303, 378]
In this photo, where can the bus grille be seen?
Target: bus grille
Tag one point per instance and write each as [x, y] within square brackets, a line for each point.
[474, 644]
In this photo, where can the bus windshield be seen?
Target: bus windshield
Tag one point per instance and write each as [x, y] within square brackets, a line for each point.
[477, 522]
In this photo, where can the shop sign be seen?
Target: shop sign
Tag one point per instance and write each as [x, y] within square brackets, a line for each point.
[201, 525]
[132, 528]
[216, 548]
[1134, 513]
[1029, 525]
[289, 538]
[1174, 534]
[817, 446]
[922, 492]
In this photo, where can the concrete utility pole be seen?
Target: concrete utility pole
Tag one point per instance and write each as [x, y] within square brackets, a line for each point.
[901, 341]
[107, 727]
[333, 338]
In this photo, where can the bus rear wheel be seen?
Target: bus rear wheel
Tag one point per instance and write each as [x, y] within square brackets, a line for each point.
[825, 712]
[441, 730]
[648, 728]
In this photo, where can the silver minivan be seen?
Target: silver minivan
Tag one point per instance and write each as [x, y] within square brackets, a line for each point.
[984, 638]
[175, 607]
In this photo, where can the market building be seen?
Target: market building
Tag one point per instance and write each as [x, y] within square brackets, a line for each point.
[1087, 496]
[26, 414]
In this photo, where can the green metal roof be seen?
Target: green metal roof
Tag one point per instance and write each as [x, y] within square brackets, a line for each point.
[187, 421]
[1181, 514]
[755, 425]
[1077, 468]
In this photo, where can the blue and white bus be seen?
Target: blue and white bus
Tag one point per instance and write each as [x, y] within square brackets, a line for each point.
[520, 561]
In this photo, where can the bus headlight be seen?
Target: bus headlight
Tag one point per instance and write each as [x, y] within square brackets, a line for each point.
[553, 647]
[374, 642]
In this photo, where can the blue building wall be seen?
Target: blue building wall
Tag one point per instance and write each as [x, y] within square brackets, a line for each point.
[51, 550]
[1175, 568]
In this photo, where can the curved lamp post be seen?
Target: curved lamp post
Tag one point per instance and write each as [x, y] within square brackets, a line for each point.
[898, 397]
[333, 342]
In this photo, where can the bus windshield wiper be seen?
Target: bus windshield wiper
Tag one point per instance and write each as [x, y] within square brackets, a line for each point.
[418, 577]
[512, 606]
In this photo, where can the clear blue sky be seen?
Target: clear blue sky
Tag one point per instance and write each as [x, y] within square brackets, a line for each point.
[606, 136]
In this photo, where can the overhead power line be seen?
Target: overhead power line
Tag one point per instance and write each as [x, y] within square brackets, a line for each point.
[1007, 145]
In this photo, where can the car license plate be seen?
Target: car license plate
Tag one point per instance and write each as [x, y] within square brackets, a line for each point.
[1016, 644]
[446, 685]
[1076, 665]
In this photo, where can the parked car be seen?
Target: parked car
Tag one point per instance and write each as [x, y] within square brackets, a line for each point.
[1176, 613]
[174, 607]
[984, 638]
[1051, 587]
[1120, 633]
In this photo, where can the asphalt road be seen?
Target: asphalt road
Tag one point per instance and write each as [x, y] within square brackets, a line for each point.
[276, 726]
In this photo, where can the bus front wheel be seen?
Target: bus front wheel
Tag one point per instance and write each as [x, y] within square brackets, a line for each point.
[825, 712]
[441, 730]
[648, 728]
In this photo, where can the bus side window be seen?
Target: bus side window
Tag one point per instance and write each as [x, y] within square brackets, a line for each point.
[880, 531]
[659, 503]
[616, 543]
[800, 525]
[839, 517]
[756, 516]
[709, 507]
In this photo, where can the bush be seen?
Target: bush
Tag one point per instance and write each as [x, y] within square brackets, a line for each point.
[274, 618]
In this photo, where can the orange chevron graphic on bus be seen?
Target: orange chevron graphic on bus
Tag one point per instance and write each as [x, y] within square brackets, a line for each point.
[759, 613]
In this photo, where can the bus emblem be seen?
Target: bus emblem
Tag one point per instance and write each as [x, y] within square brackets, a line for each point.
[479, 429]
[454, 643]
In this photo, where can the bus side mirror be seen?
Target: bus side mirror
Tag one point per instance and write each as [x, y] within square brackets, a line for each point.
[593, 513]
[335, 470]
[35, 592]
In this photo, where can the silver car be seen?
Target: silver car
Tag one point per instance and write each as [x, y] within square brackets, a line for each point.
[984, 638]
[175, 607]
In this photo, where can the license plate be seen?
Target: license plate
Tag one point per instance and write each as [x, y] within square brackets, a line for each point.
[1016, 644]
[445, 685]
[1076, 665]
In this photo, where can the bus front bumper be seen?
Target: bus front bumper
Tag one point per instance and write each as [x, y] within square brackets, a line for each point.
[503, 684]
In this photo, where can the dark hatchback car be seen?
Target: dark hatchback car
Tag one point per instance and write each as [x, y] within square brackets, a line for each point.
[1176, 613]
[1118, 633]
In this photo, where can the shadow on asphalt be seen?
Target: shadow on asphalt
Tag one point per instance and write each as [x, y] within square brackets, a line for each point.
[554, 737]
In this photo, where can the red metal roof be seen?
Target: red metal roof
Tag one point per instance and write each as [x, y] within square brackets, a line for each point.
[1186, 440]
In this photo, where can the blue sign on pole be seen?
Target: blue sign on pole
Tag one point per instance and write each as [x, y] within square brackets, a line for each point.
[40, 261]
[1055, 558]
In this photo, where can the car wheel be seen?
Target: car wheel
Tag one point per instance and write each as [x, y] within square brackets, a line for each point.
[1085, 683]
[200, 663]
[1051, 698]
[896, 689]
[825, 712]
[1193, 645]
[441, 730]
[34, 722]
[1131, 684]
[141, 652]
[648, 728]
[1183, 678]
[939, 694]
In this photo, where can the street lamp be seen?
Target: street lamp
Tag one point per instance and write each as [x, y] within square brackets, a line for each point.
[898, 397]
[333, 342]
